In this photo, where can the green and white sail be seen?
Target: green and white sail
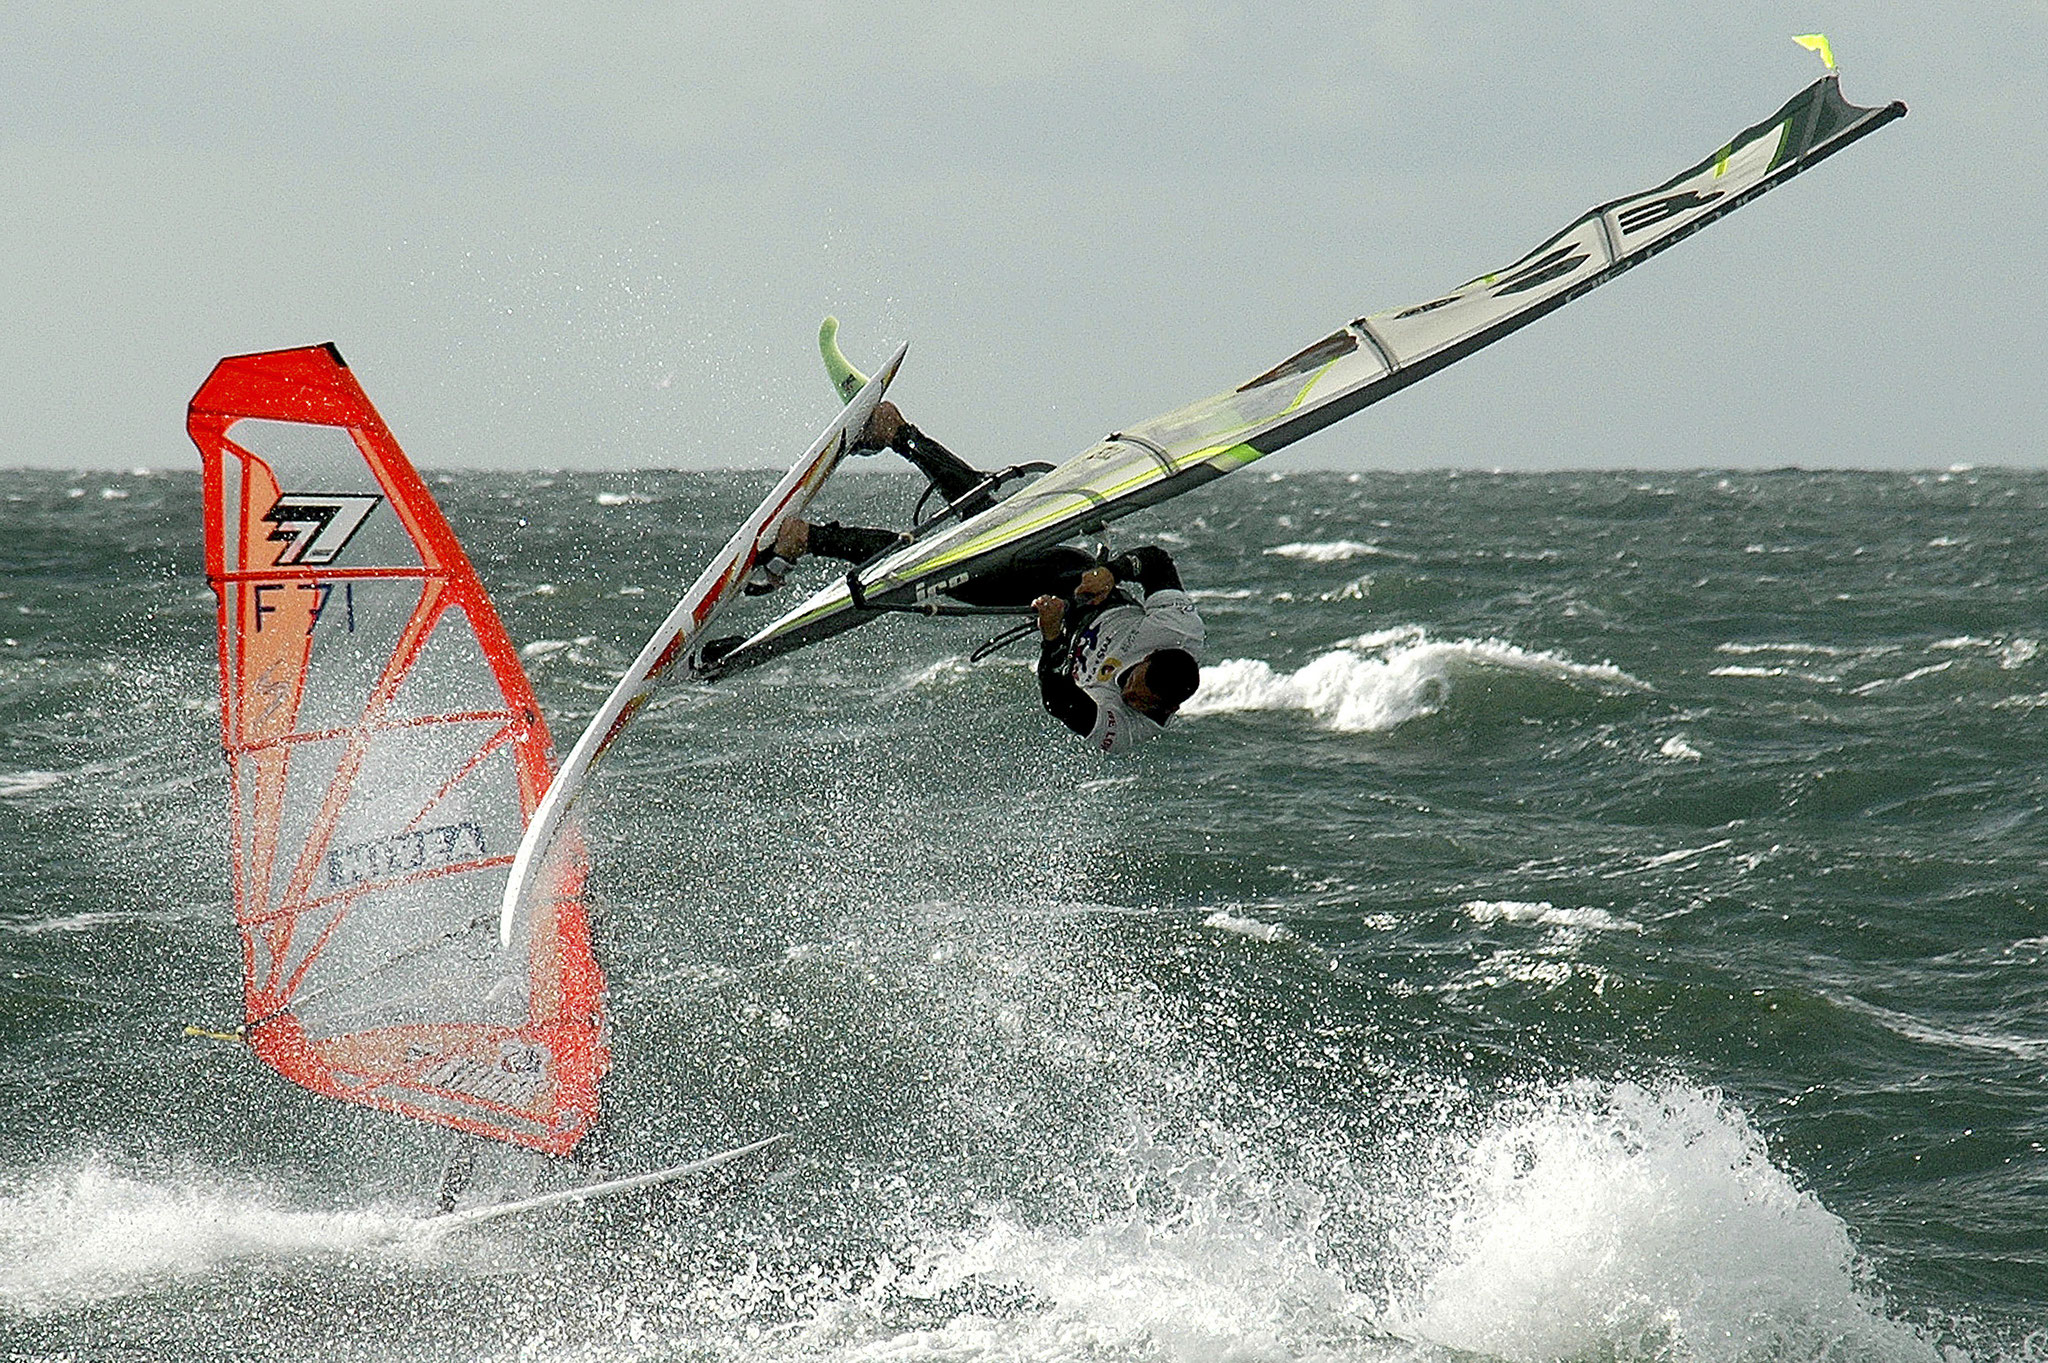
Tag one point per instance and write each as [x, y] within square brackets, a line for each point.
[1350, 369]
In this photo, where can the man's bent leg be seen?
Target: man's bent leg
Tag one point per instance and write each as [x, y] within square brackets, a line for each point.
[852, 543]
[953, 476]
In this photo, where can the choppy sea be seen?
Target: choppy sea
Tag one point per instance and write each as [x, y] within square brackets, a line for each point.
[1582, 917]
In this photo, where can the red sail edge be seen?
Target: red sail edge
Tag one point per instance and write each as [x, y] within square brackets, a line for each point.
[385, 751]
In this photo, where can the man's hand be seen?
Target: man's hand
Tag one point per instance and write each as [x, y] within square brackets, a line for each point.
[1052, 614]
[883, 427]
[1097, 583]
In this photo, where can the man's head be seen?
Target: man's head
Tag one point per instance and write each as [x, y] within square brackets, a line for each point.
[1161, 682]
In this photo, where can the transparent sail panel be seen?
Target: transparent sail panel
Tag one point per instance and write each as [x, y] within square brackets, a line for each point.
[386, 753]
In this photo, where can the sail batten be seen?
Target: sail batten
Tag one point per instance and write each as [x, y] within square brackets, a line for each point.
[385, 753]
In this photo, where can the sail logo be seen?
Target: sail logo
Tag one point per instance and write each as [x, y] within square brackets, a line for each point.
[400, 854]
[927, 590]
[1635, 219]
[314, 527]
[502, 1083]
[1537, 273]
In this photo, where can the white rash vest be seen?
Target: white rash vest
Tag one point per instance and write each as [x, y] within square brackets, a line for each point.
[1117, 640]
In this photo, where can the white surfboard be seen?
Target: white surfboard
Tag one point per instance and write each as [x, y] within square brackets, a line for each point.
[569, 1197]
[687, 628]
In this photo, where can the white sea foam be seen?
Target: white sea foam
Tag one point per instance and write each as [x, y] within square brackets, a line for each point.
[1230, 1269]
[1225, 921]
[81, 1231]
[1547, 914]
[70, 922]
[13, 783]
[1330, 551]
[1352, 691]
[1933, 1034]
[1915, 675]
[946, 670]
[623, 499]
[1797, 650]
[1679, 750]
[2011, 653]
[1672, 858]
[548, 648]
[1621, 1222]
[1636, 1223]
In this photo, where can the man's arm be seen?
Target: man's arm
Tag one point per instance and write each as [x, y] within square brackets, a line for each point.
[1063, 700]
[1149, 566]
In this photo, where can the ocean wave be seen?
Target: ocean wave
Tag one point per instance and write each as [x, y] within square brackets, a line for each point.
[1218, 1262]
[15, 783]
[2011, 653]
[1327, 551]
[1678, 749]
[1353, 691]
[1794, 649]
[539, 650]
[1915, 675]
[70, 922]
[1225, 921]
[1547, 914]
[1624, 1222]
[1636, 1222]
[1948, 1038]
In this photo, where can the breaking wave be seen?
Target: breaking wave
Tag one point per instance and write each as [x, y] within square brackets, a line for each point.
[1379, 681]
[1546, 914]
[1624, 1222]
[1332, 551]
[1638, 1222]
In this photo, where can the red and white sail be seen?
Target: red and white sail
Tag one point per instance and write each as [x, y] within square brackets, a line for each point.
[385, 753]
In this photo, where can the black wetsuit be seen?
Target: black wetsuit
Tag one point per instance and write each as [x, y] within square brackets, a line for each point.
[953, 476]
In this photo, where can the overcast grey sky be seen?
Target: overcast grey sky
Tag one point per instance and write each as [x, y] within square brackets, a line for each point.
[602, 235]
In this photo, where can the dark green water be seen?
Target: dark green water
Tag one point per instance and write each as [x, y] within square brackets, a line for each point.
[1590, 917]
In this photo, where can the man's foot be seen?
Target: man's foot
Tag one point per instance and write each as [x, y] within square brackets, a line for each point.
[883, 429]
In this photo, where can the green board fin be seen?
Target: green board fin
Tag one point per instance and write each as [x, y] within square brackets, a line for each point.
[845, 377]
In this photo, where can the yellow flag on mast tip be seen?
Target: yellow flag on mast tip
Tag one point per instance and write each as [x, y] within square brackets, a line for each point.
[1818, 42]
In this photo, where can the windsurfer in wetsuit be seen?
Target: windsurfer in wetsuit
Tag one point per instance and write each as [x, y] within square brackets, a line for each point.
[1118, 658]
[1120, 639]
